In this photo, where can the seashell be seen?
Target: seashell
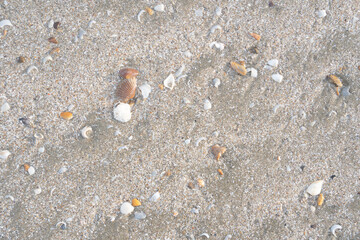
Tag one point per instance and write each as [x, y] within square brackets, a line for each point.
[53, 40]
[207, 104]
[4, 154]
[86, 132]
[273, 62]
[145, 90]
[312, 209]
[155, 197]
[140, 215]
[205, 235]
[334, 228]
[10, 197]
[126, 208]
[81, 33]
[217, 151]
[5, 107]
[186, 100]
[218, 45]
[128, 73]
[240, 69]
[220, 171]
[122, 112]
[135, 202]
[321, 13]
[315, 188]
[31, 170]
[195, 211]
[228, 237]
[21, 59]
[253, 71]
[214, 28]
[139, 15]
[91, 23]
[126, 90]
[149, 11]
[31, 68]
[66, 115]
[320, 199]
[50, 24]
[277, 77]
[169, 82]
[201, 182]
[335, 80]
[55, 50]
[191, 185]
[76, 39]
[56, 25]
[216, 82]
[179, 71]
[37, 191]
[188, 54]
[256, 36]
[218, 11]
[159, 8]
[199, 140]
[38, 136]
[47, 58]
[41, 150]
[5, 23]
[62, 170]
[161, 86]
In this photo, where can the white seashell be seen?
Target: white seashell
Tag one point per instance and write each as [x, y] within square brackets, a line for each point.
[92, 22]
[205, 235]
[218, 45]
[179, 71]
[126, 208]
[169, 82]
[122, 112]
[139, 15]
[195, 210]
[321, 13]
[123, 147]
[187, 141]
[140, 215]
[268, 67]
[4, 154]
[186, 100]
[273, 62]
[145, 90]
[62, 170]
[277, 77]
[37, 191]
[31, 170]
[216, 82]
[5, 23]
[277, 107]
[253, 71]
[159, 8]
[38, 136]
[312, 209]
[50, 24]
[188, 54]
[155, 197]
[47, 58]
[214, 28]
[81, 33]
[86, 132]
[31, 68]
[218, 11]
[41, 150]
[5, 107]
[334, 228]
[315, 188]
[228, 237]
[61, 224]
[11, 197]
[207, 104]
[199, 140]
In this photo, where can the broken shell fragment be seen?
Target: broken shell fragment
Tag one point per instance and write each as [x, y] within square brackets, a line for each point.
[218, 151]
[240, 69]
[277, 77]
[57, 25]
[159, 8]
[37, 190]
[122, 112]
[315, 188]
[321, 13]
[201, 182]
[216, 82]
[53, 40]
[334, 228]
[220, 171]
[47, 58]
[179, 71]
[66, 115]
[139, 215]
[273, 63]
[4, 154]
[149, 11]
[191, 185]
[145, 90]
[169, 82]
[218, 45]
[135, 202]
[320, 199]
[207, 104]
[126, 208]
[214, 28]
[31, 68]
[31, 170]
[139, 15]
[21, 59]
[126, 89]
[5, 107]
[155, 197]
[335, 80]
[26, 166]
[5, 23]
[256, 36]
[128, 73]
[86, 132]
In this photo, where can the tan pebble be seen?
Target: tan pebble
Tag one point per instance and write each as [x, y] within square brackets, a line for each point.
[256, 36]
[161, 86]
[201, 182]
[66, 115]
[149, 11]
[55, 50]
[191, 185]
[126, 90]
[26, 166]
[240, 69]
[320, 199]
[135, 202]
[128, 73]
[21, 59]
[53, 40]
[220, 172]
[217, 151]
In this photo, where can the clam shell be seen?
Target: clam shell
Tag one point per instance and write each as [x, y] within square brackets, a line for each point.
[5, 23]
[128, 73]
[217, 151]
[126, 208]
[315, 188]
[86, 132]
[4, 154]
[126, 90]
[334, 228]
[240, 69]
[122, 112]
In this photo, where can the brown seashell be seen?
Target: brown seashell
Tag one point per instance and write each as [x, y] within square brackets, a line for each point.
[53, 40]
[57, 25]
[66, 115]
[126, 90]
[240, 69]
[21, 59]
[256, 36]
[217, 151]
[320, 199]
[220, 172]
[55, 50]
[149, 11]
[128, 73]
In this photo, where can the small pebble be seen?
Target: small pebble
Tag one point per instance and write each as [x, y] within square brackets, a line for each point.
[195, 211]
[41, 150]
[277, 77]
[62, 170]
[186, 100]
[273, 63]
[126, 208]
[207, 104]
[216, 82]
[140, 215]
[321, 13]
[37, 191]
[218, 11]
[253, 72]
[199, 12]
[50, 23]
[312, 208]
[4, 154]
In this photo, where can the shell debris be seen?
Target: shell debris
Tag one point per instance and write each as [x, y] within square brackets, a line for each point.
[5, 23]
[155, 197]
[31, 68]
[128, 73]
[334, 228]
[126, 89]
[4, 154]
[139, 215]
[220, 171]
[145, 90]
[320, 13]
[277, 77]
[47, 58]
[66, 115]
[179, 71]
[214, 28]
[50, 23]
[86, 132]
[149, 11]
[159, 8]
[201, 183]
[139, 15]
[55, 50]
[21, 59]
[135, 202]
[315, 188]
[239, 68]
[5, 107]
[320, 199]
[216, 82]
[256, 36]
[53, 40]
[122, 112]
[169, 82]
[37, 191]
[81, 33]
[91, 23]
[218, 45]
[205, 235]
[218, 11]
[207, 104]
[335, 80]
[218, 151]
[126, 208]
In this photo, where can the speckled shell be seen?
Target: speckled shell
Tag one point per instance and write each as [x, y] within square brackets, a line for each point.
[126, 90]
[128, 73]
[240, 69]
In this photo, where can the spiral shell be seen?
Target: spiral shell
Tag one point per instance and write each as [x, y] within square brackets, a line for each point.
[126, 90]
[86, 132]
[128, 73]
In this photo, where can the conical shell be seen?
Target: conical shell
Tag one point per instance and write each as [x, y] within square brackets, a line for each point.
[315, 188]
[218, 151]
[240, 69]
[128, 73]
[126, 90]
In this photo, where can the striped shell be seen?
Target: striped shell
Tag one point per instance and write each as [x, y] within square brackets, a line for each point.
[128, 73]
[126, 90]
[239, 68]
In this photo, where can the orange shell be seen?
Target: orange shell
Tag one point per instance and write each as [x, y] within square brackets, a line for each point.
[66, 115]
[149, 11]
[217, 151]
[335, 80]
[220, 172]
[256, 36]
[126, 90]
[240, 69]
[320, 199]
[128, 73]
[135, 202]
[26, 166]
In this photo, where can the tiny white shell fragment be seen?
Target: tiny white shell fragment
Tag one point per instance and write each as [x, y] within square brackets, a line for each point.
[218, 11]
[179, 71]
[207, 104]
[199, 140]
[315, 188]
[187, 141]
[334, 228]
[273, 63]
[195, 210]
[155, 197]
[159, 8]
[37, 191]
[186, 100]
[188, 54]
[228, 237]
[145, 90]
[5, 23]
[253, 71]
[50, 24]
[218, 45]
[11, 197]
[31, 170]
[47, 58]
[313, 209]
[91, 23]
[62, 170]
[277, 77]
[205, 235]
[38, 136]
[321, 13]
[169, 82]
[86, 132]
[76, 39]
[139, 15]
[122, 112]
[216, 82]
[122, 148]
[81, 33]
[126, 208]
[4, 154]
[31, 68]
[214, 28]
[140, 215]
[5, 107]
[41, 150]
